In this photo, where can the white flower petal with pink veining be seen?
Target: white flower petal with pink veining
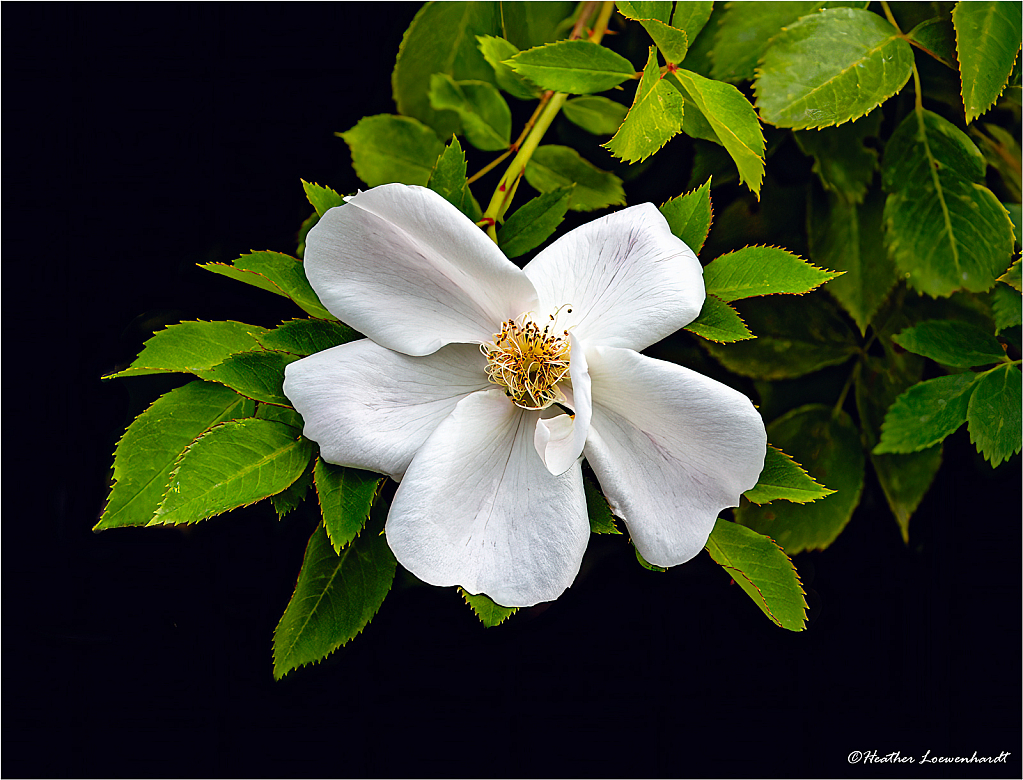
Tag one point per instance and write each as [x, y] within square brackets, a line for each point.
[478, 508]
[671, 449]
[627, 280]
[372, 408]
[407, 269]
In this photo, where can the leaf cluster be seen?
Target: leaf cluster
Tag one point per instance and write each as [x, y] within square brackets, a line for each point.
[845, 131]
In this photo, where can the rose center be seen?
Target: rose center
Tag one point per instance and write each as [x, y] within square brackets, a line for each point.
[528, 362]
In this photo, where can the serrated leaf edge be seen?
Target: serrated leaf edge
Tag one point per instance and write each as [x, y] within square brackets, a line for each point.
[827, 491]
[962, 87]
[177, 467]
[332, 650]
[767, 609]
[833, 274]
[465, 597]
[751, 336]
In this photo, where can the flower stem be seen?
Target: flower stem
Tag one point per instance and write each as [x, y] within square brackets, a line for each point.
[538, 124]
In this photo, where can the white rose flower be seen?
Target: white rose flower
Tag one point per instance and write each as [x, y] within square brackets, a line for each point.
[481, 386]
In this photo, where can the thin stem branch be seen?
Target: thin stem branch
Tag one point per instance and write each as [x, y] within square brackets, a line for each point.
[538, 124]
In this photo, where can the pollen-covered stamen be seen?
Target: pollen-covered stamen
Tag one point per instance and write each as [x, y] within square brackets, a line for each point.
[528, 362]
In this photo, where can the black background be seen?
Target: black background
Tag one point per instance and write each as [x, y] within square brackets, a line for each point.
[140, 140]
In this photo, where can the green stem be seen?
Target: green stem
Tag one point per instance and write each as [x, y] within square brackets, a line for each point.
[549, 107]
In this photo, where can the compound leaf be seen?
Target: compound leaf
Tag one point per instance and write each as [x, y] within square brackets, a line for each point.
[654, 118]
[595, 114]
[148, 450]
[951, 343]
[689, 216]
[321, 198]
[234, 464]
[258, 375]
[306, 337]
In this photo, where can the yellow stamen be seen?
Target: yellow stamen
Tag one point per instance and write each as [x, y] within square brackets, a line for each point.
[528, 362]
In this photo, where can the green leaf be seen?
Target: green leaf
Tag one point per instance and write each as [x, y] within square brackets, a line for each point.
[944, 229]
[689, 216]
[577, 67]
[655, 117]
[731, 117]
[277, 273]
[993, 414]
[387, 148]
[645, 9]
[485, 116]
[841, 161]
[951, 343]
[847, 237]
[192, 347]
[441, 39]
[534, 222]
[288, 499]
[552, 167]
[335, 597]
[905, 478]
[829, 445]
[671, 42]
[784, 479]
[690, 17]
[530, 24]
[281, 414]
[761, 270]
[762, 570]
[795, 336]
[987, 40]
[147, 451]
[831, 67]
[488, 611]
[602, 519]
[926, 413]
[1002, 151]
[258, 375]
[595, 114]
[719, 322]
[1007, 305]
[938, 37]
[495, 51]
[321, 198]
[746, 31]
[449, 180]
[645, 563]
[1012, 277]
[306, 337]
[232, 465]
[346, 497]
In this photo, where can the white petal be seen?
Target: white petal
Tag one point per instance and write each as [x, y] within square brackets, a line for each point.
[477, 508]
[628, 281]
[671, 449]
[372, 408]
[559, 440]
[410, 271]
